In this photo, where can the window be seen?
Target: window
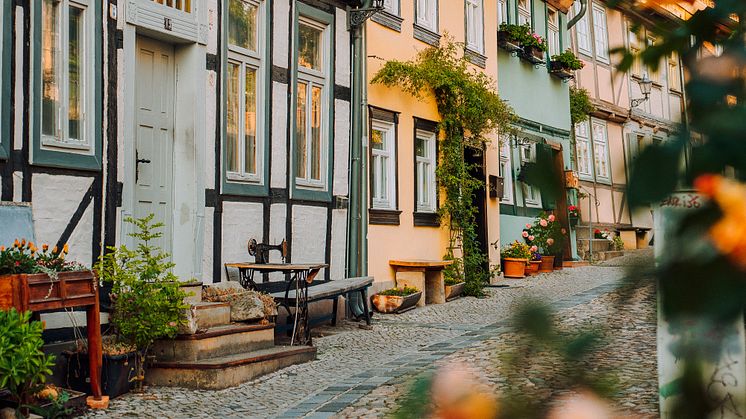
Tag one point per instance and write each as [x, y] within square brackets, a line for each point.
[505, 171]
[634, 47]
[601, 151]
[582, 32]
[583, 150]
[474, 25]
[424, 147]
[674, 72]
[502, 12]
[524, 12]
[427, 14]
[311, 104]
[244, 142]
[183, 5]
[655, 75]
[391, 6]
[383, 165]
[553, 32]
[532, 196]
[600, 34]
[66, 88]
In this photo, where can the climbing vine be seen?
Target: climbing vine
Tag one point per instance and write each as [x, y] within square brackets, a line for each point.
[469, 110]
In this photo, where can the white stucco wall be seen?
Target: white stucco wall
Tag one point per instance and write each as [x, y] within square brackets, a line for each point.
[281, 24]
[207, 247]
[341, 147]
[339, 243]
[309, 235]
[241, 222]
[279, 135]
[342, 45]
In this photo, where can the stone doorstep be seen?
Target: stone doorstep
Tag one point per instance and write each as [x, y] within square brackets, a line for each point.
[205, 315]
[215, 342]
[193, 291]
[575, 263]
[227, 371]
[611, 254]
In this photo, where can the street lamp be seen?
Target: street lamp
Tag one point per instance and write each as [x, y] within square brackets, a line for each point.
[645, 86]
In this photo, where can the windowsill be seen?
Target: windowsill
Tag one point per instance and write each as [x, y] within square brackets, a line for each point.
[48, 142]
[528, 204]
[588, 54]
[313, 186]
[388, 20]
[475, 57]
[426, 35]
[426, 219]
[603, 181]
[235, 177]
[383, 216]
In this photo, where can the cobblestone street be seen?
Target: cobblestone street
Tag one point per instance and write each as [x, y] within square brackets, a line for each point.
[362, 373]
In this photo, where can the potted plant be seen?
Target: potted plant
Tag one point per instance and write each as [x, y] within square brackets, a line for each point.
[550, 238]
[509, 36]
[118, 368]
[533, 48]
[515, 257]
[454, 287]
[535, 262]
[574, 215]
[24, 367]
[562, 65]
[148, 302]
[396, 300]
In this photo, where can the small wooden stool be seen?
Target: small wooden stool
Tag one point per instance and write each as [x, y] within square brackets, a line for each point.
[425, 275]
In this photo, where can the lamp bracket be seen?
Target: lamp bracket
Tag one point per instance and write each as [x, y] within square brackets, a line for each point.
[356, 17]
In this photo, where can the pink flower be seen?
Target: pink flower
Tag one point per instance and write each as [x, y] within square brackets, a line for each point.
[564, 231]
[528, 225]
[543, 222]
[551, 218]
[550, 241]
[525, 234]
[534, 248]
[531, 238]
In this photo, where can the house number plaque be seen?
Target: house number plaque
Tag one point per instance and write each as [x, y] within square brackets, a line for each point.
[167, 23]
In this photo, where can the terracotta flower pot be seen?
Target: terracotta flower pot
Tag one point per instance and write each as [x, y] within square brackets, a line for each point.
[514, 268]
[547, 264]
[533, 267]
[395, 303]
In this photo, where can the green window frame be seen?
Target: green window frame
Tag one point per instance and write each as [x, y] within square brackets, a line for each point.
[6, 8]
[321, 191]
[50, 153]
[259, 185]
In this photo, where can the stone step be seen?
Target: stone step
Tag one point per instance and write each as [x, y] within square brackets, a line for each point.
[609, 255]
[227, 371]
[204, 315]
[194, 292]
[215, 342]
[574, 263]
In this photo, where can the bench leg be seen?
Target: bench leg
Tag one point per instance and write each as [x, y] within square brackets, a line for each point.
[436, 293]
[334, 311]
[364, 294]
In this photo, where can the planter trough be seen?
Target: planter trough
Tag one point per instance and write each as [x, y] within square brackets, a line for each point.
[116, 371]
[395, 303]
[559, 71]
[455, 290]
[533, 55]
[504, 41]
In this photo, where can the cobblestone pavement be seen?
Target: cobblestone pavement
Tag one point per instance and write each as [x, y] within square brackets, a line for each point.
[361, 372]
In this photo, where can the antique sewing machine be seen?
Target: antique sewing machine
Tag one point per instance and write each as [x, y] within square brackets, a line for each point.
[261, 250]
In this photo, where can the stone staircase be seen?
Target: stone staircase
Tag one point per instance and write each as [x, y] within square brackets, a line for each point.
[214, 353]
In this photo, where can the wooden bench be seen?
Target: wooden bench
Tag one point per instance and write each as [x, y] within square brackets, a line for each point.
[318, 290]
[425, 275]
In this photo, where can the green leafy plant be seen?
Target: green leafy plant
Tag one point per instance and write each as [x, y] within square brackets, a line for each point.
[450, 281]
[548, 234]
[25, 258]
[148, 301]
[568, 60]
[524, 35]
[470, 110]
[24, 367]
[400, 292]
[56, 404]
[516, 250]
[618, 243]
[580, 105]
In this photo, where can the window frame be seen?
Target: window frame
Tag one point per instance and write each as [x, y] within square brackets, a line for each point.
[505, 168]
[392, 7]
[585, 175]
[232, 182]
[477, 25]
[432, 159]
[553, 28]
[431, 23]
[605, 143]
[584, 23]
[389, 128]
[6, 39]
[673, 72]
[535, 200]
[525, 12]
[604, 56]
[303, 188]
[54, 153]
[502, 12]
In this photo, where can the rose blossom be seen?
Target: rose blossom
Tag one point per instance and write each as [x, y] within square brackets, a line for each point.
[534, 249]
[550, 241]
[543, 222]
[528, 225]
[525, 234]
[551, 218]
[531, 238]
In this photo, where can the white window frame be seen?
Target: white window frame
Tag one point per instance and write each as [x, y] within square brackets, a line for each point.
[62, 140]
[531, 195]
[475, 25]
[582, 32]
[674, 72]
[427, 14]
[183, 6]
[600, 33]
[524, 13]
[391, 6]
[426, 166]
[582, 136]
[247, 59]
[600, 144]
[502, 12]
[553, 31]
[505, 170]
[315, 78]
[376, 155]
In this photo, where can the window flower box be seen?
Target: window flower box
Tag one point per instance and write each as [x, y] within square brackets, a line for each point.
[558, 70]
[506, 42]
[396, 300]
[532, 54]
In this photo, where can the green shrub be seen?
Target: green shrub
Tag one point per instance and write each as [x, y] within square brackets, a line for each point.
[516, 250]
[400, 292]
[450, 281]
[568, 60]
[23, 365]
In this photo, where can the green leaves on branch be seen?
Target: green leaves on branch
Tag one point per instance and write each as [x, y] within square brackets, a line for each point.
[580, 105]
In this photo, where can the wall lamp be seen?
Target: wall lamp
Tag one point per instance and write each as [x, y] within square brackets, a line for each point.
[645, 86]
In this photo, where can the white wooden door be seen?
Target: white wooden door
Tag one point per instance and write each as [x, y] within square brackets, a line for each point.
[154, 107]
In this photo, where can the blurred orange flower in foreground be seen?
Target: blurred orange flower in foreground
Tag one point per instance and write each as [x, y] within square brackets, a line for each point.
[729, 233]
[457, 393]
[583, 405]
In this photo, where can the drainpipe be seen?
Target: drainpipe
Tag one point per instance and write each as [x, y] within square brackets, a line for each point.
[581, 13]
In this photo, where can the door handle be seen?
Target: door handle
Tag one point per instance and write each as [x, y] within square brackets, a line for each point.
[143, 161]
[137, 165]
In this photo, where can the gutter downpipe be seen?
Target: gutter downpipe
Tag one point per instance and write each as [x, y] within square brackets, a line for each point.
[581, 13]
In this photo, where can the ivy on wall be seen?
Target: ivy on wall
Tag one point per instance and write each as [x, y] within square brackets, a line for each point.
[470, 110]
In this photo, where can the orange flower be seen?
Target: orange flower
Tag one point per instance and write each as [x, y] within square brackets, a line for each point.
[728, 234]
[65, 249]
[2, 248]
[16, 243]
[23, 242]
[55, 250]
[45, 247]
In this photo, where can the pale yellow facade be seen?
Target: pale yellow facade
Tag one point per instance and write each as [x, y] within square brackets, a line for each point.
[406, 240]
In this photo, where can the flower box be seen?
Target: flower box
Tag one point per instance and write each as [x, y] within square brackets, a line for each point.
[38, 292]
[532, 54]
[514, 268]
[117, 373]
[395, 303]
[560, 71]
[506, 42]
[454, 291]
